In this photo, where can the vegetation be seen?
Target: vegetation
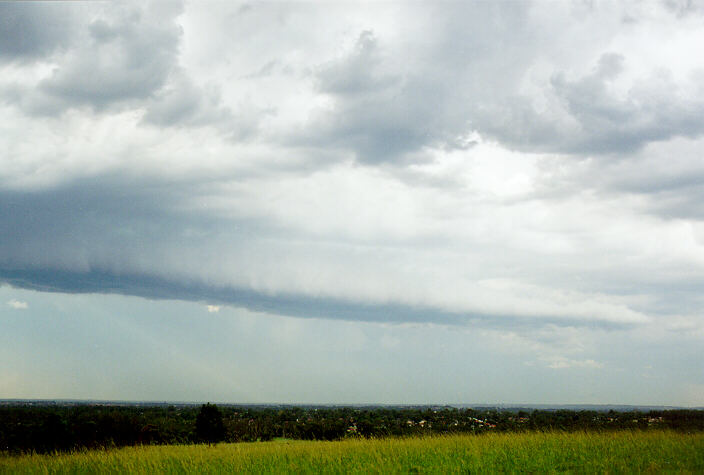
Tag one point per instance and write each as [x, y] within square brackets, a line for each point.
[43, 429]
[581, 452]
[209, 424]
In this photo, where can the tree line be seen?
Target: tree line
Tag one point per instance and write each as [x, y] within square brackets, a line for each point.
[50, 428]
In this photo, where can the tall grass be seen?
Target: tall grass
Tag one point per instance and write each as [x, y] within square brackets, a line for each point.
[617, 452]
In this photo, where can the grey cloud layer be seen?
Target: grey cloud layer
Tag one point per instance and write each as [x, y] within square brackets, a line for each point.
[435, 163]
[137, 238]
[31, 30]
[467, 69]
[461, 69]
[124, 57]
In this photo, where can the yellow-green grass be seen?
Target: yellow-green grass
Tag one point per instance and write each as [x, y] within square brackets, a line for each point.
[617, 452]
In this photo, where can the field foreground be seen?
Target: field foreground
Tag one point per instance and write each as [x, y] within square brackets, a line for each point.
[624, 451]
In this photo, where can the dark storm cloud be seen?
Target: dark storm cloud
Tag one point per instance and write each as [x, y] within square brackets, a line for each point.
[73, 225]
[182, 103]
[386, 98]
[31, 30]
[651, 111]
[127, 55]
[358, 72]
[123, 56]
[157, 287]
[393, 99]
[390, 100]
[593, 119]
[106, 236]
[381, 115]
[666, 177]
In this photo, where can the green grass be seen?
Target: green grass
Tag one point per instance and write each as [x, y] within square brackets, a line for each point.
[619, 452]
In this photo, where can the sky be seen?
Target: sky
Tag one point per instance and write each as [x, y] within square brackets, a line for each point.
[364, 202]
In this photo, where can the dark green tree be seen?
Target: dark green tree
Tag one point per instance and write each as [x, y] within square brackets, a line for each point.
[209, 424]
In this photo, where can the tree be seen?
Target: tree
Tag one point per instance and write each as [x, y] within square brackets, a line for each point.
[209, 424]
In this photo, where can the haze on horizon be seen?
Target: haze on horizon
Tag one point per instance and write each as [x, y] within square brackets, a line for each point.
[376, 202]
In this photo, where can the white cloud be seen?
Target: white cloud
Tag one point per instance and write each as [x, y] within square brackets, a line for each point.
[213, 308]
[560, 362]
[18, 304]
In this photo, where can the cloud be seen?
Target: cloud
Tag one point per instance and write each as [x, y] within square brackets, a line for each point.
[30, 30]
[385, 110]
[18, 304]
[135, 238]
[500, 163]
[358, 72]
[304, 305]
[661, 179]
[597, 113]
[682, 8]
[651, 111]
[430, 183]
[213, 308]
[182, 103]
[564, 363]
[126, 56]
[389, 99]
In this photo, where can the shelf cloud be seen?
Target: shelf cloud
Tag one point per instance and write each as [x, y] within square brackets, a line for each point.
[494, 164]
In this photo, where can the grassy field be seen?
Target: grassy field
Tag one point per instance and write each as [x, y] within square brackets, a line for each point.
[620, 452]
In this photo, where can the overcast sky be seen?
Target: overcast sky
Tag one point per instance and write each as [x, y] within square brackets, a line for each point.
[477, 202]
